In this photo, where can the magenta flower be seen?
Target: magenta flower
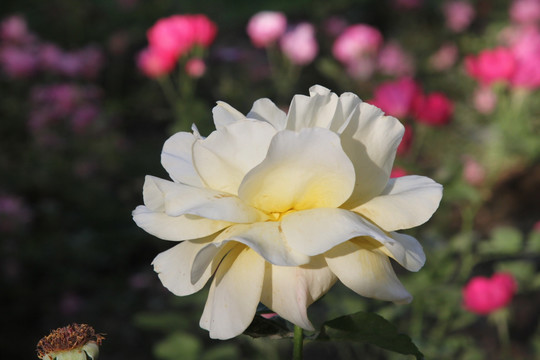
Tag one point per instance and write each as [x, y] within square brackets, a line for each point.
[525, 11]
[484, 295]
[299, 44]
[356, 41]
[205, 30]
[396, 97]
[155, 63]
[458, 15]
[266, 27]
[434, 109]
[393, 60]
[14, 29]
[490, 66]
[17, 62]
[173, 36]
[195, 67]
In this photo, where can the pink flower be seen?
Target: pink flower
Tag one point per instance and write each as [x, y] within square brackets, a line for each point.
[195, 68]
[266, 27]
[154, 63]
[434, 109]
[362, 68]
[525, 11]
[14, 29]
[299, 44]
[458, 15]
[393, 60]
[173, 36]
[396, 97]
[445, 57]
[397, 172]
[406, 141]
[490, 66]
[205, 30]
[49, 56]
[484, 295]
[17, 62]
[356, 41]
[473, 173]
[485, 100]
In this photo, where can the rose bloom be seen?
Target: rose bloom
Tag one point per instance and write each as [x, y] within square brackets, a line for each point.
[434, 109]
[266, 27]
[490, 66]
[525, 11]
[299, 44]
[485, 100]
[173, 35]
[445, 57]
[205, 30]
[14, 29]
[154, 63]
[195, 67]
[458, 14]
[484, 295]
[355, 41]
[473, 172]
[393, 60]
[277, 207]
[396, 97]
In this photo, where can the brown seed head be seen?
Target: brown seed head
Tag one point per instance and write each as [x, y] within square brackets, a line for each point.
[68, 338]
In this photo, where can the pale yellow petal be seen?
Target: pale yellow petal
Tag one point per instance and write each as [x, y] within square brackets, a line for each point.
[177, 158]
[266, 110]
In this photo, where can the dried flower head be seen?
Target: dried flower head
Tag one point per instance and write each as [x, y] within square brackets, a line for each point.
[70, 341]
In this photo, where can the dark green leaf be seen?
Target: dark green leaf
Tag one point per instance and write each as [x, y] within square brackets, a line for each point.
[275, 327]
[369, 328]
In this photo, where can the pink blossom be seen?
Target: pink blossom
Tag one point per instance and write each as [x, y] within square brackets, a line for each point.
[397, 172]
[14, 29]
[484, 295]
[266, 27]
[195, 68]
[362, 68]
[396, 97]
[434, 109]
[173, 36]
[393, 60]
[17, 62]
[527, 75]
[154, 63]
[485, 100]
[525, 45]
[355, 41]
[458, 15]
[525, 11]
[49, 56]
[69, 64]
[490, 66]
[205, 30]
[406, 141]
[299, 44]
[445, 57]
[473, 172]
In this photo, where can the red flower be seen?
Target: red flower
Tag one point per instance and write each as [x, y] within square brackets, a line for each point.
[434, 109]
[484, 295]
[395, 98]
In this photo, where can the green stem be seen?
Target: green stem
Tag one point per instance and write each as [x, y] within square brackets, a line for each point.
[298, 343]
[171, 95]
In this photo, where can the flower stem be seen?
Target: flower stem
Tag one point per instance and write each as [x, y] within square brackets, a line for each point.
[298, 343]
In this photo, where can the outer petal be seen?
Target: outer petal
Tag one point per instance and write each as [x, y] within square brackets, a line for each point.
[224, 157]
[266, 238]
[266, 110]
[406, 202]
[176, 158]
[316, 110]
[316, 231]
[180, 199]
[234, 294]
[174, 267]
[175, 228]
[302, 170]
[290, 290]
[225, 114]
[362, 267]
[370, 140]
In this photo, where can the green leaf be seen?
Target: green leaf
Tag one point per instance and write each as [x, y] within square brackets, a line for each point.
[178, 346]
[504, 240]
[369, 328]
[275, 327]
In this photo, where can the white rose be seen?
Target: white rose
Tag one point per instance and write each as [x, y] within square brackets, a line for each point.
[277, 207]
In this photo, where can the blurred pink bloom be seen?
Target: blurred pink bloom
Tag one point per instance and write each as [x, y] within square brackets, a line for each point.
[525, 45]
[13, 213]
[406, 141]
[172, 36]
[49, 56]
[69, 64]
[195, 67]
[299, 44]
[458, 15]
[524, 41]
[484, 295]
[525, 11]
[205, 30]
[269, 315]
[17, 62]
[356, 41]
[266, 27]
[335, 25]
[393, 60]
[489, 66]
[434, 109]
[397, 172]
[14, 29]
[473, 173]
[362, 68]
[445, 57]
[154, 63]
[396, 97]
[408, 4]
[485, 100]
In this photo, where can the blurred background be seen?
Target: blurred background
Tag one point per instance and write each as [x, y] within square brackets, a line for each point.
[85, 110]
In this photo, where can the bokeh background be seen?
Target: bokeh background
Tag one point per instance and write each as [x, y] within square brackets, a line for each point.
[82, 123]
